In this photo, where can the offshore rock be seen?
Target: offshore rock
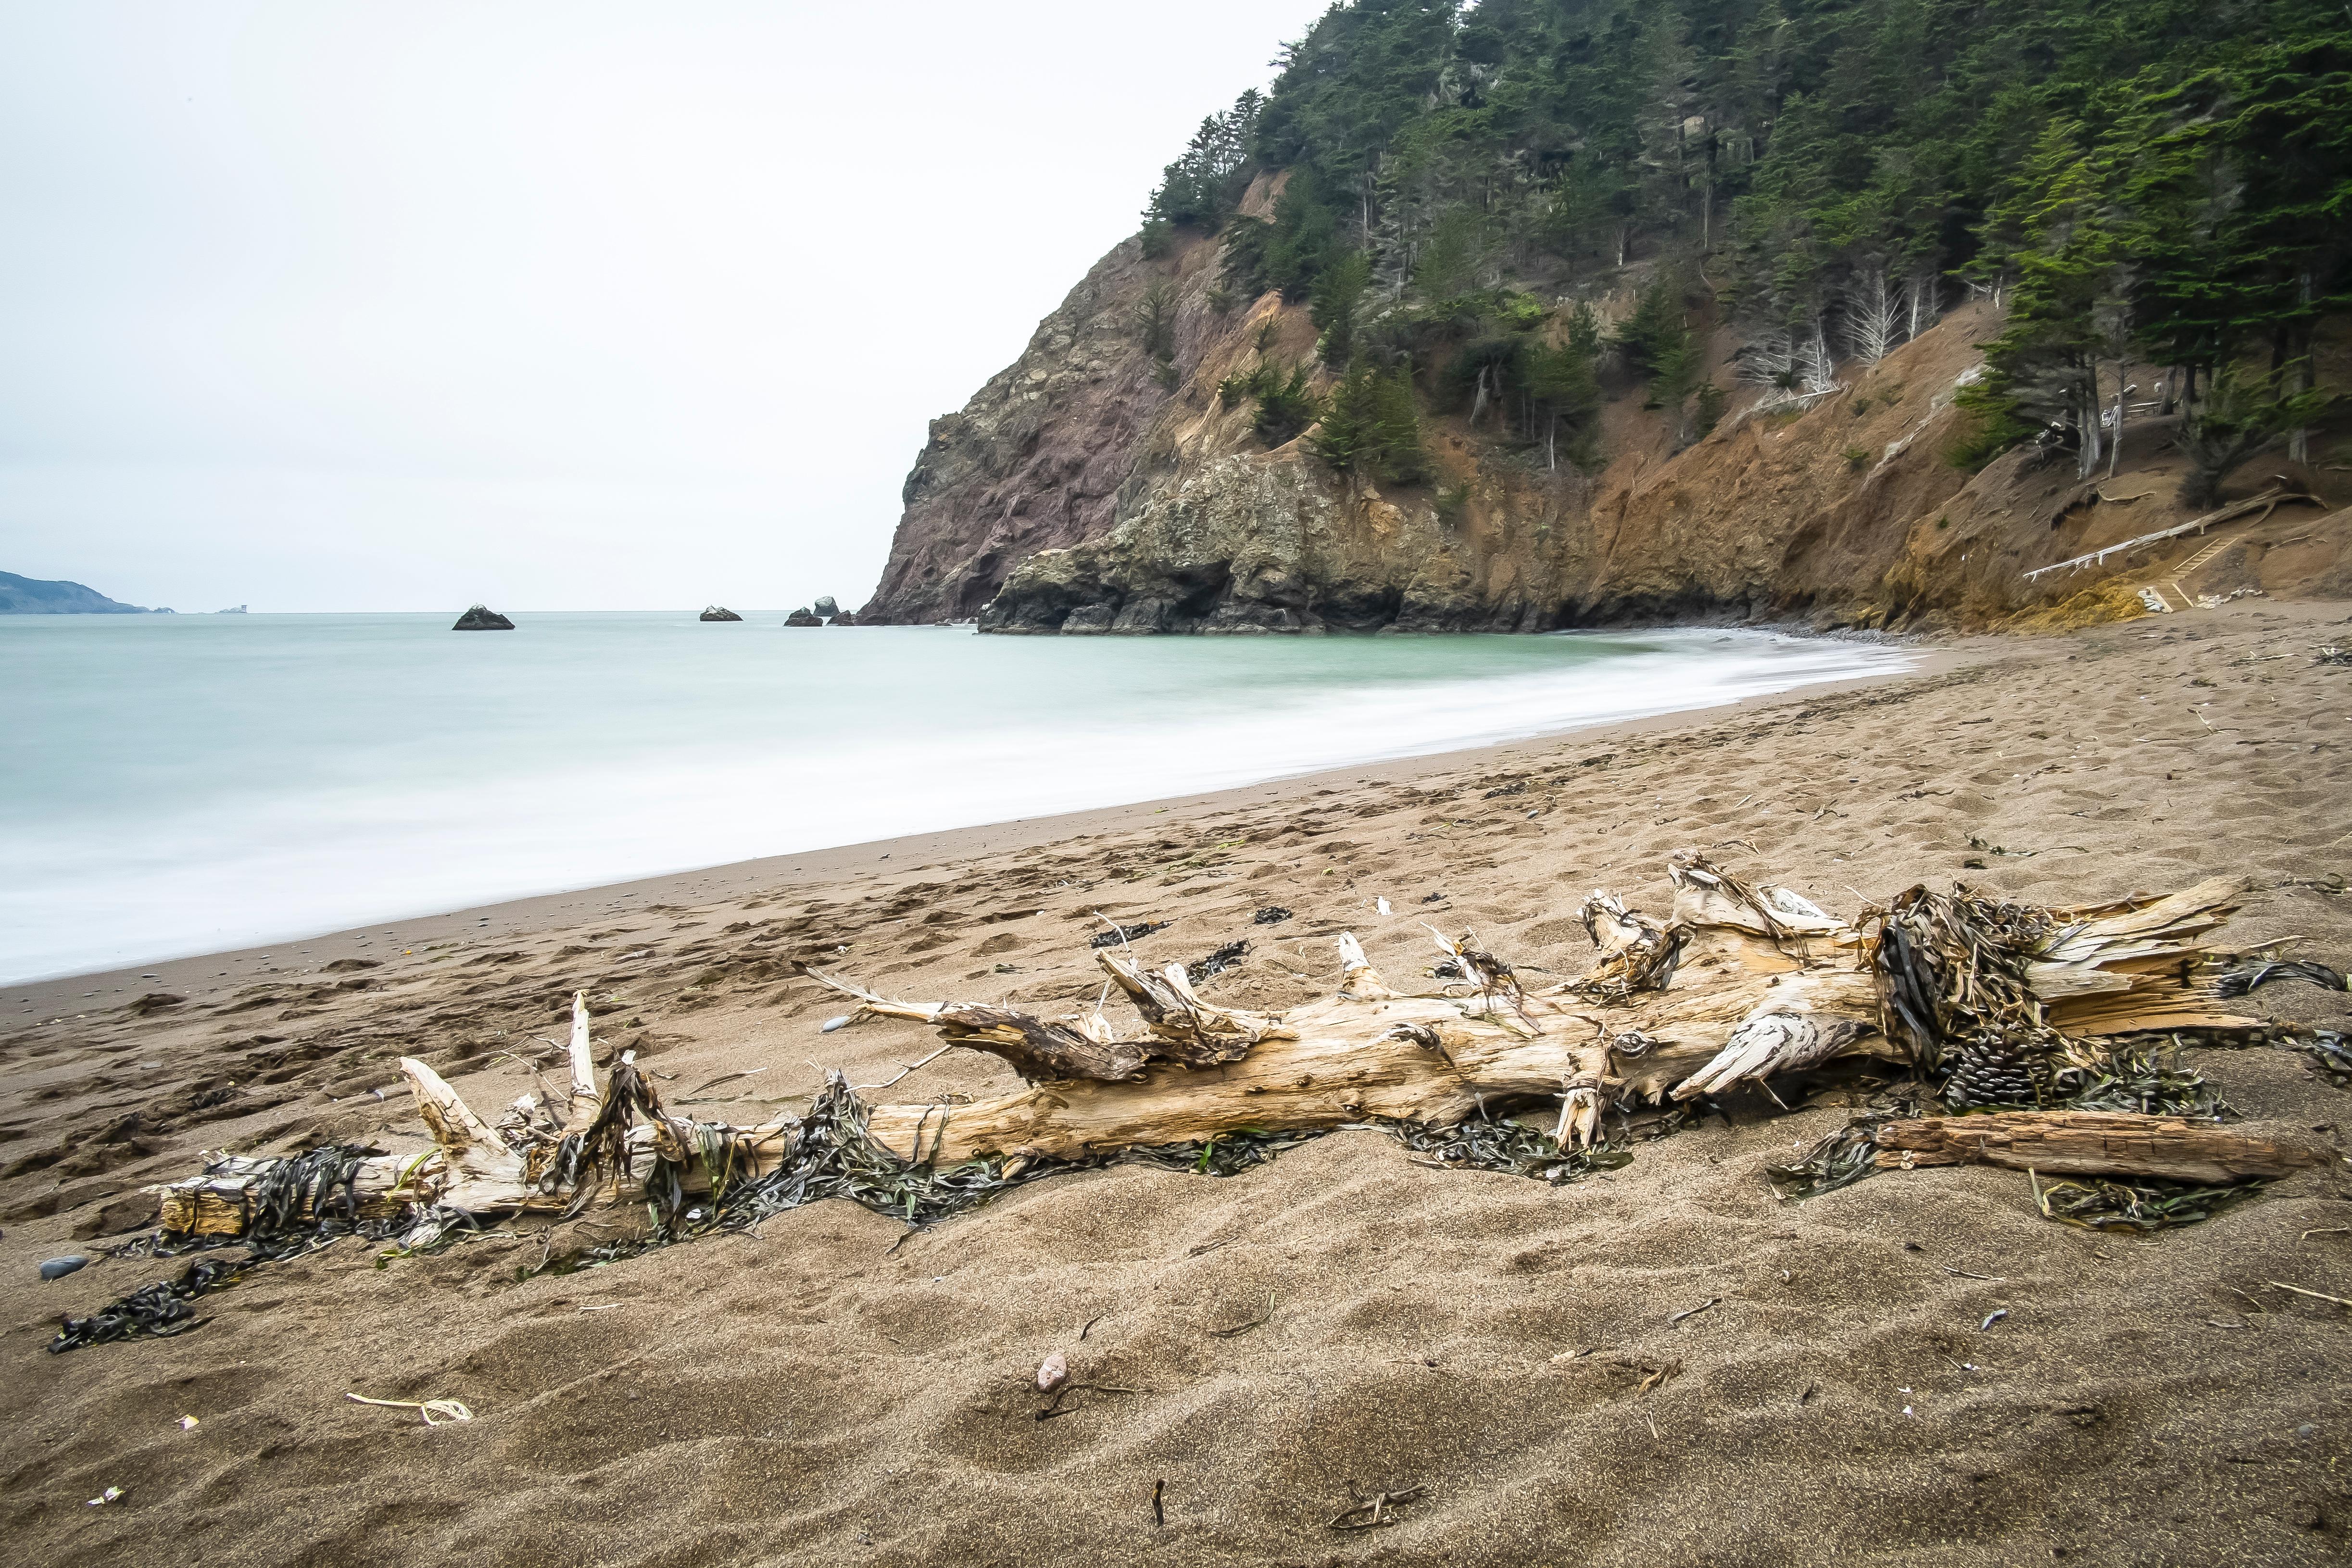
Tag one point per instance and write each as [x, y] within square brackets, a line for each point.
[479, 619]
[714, 612]
[845, 619]
[826, 609]
[803, 617]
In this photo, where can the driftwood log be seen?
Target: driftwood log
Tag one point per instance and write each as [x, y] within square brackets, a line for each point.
[2090, 1142]
[1740, 983]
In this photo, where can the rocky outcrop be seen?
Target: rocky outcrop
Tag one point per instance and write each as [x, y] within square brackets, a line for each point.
[804, 616]
[827, 608]
[36, 596]
[715, 612]
[479, 619]
[1038, 459]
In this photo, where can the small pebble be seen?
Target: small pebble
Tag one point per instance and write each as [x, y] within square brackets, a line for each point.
[59, 1267]
[832, 1024]
[1053, 1372]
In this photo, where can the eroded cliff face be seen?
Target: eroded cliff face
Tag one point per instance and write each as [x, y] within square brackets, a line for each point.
[1037, 459]
[1084, 491]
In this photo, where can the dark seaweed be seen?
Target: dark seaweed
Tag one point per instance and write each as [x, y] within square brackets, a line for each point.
[1118, 934]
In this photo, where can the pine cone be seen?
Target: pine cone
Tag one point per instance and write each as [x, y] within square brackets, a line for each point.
[1990, 1071]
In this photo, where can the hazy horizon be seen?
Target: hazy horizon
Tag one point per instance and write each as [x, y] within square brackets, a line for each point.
[583, 307]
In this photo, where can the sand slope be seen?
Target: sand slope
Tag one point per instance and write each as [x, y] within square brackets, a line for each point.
[832, 1390]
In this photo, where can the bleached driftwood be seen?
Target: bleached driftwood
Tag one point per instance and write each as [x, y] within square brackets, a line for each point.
[1740, 983]
[2090, 1142]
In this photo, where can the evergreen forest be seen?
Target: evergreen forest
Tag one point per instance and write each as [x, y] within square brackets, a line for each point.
[2159, 183]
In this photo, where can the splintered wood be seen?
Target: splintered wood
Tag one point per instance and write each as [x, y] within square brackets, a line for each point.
[1739, 983]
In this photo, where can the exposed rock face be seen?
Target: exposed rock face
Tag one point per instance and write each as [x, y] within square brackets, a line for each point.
[479, 619]
[1037, 458]
[844, 618]
[1250, 546]
[826, 609]
[1077, 495]
[714, 612]
[803, 617]
[36, 596]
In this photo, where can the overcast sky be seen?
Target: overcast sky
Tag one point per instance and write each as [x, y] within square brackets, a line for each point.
[551, 305]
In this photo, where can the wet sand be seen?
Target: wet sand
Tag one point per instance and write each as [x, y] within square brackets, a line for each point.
[833, 1390]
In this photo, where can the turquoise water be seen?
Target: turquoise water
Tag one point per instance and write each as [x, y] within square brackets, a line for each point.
[184, 784]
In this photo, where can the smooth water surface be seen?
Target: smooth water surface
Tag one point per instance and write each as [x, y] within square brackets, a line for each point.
[185, 784]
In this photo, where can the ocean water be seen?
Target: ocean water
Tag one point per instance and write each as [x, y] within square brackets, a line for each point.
[184, 784]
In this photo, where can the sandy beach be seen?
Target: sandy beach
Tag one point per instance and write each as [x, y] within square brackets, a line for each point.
[1919, 1367]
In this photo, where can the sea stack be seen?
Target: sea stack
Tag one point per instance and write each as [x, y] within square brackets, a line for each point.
[804, 616]
[482, 619]
[718, 613]
[826, 609]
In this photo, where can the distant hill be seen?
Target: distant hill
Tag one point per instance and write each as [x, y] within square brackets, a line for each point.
[30, 596]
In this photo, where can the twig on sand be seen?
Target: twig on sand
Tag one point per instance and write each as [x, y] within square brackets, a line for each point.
[1375, 1511]
[902, 1071]
[1694, 1312]
[2315, 1295]
[1245, 1328]
[435, 1411]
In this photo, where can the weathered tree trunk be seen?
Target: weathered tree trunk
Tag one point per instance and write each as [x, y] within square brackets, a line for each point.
[1741, 982]
[2090, 1142]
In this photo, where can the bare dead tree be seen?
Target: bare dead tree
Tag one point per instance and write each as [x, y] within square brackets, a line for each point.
[1874, 316]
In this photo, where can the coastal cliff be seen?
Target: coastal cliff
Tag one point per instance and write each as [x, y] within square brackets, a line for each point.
[1676, 398]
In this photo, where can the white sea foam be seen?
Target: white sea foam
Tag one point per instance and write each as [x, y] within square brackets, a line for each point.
[184, 785]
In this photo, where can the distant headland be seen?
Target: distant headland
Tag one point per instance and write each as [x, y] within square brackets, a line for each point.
[31, 596]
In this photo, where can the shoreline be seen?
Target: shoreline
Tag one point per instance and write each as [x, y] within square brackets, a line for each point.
[192, 975]
[1351, 1313]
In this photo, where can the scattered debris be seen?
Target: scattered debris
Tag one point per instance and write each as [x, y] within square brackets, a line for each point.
[1271, 915]
[1993, 1318]
[1374, 1508]
[435, 1411]
[1228, 956]
[2238, 982]
[2331, 653]
[1118, 934]
[2142, 1206]
[187, 1423]
[110, 1495]
[2315, 1295]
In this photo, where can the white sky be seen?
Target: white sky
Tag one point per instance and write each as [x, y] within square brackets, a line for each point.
[553, 305]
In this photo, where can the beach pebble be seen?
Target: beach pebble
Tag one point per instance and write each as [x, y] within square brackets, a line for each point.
[832, 1024]
[59, 1267]
[1053, 1372]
